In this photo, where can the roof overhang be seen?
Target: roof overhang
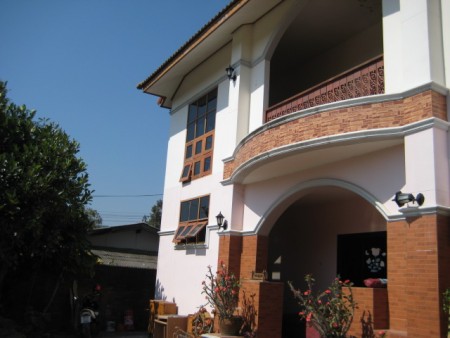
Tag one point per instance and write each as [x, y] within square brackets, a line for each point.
[126, 259]
[208, 40]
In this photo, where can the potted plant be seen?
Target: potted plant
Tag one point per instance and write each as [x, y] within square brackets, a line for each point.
[330, 312]
[222, 293]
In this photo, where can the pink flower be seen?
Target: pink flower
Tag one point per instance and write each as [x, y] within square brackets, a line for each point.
[327, 292]
[308, 317]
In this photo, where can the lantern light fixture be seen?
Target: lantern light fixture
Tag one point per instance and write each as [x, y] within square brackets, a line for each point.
[221, 221]
[231, 74]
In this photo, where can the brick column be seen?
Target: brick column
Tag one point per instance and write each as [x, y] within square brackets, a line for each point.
[418, 266]
[230, 249]
[242, 255]
[396, 273]
[254, 255]
[268, 304]
[443, 236]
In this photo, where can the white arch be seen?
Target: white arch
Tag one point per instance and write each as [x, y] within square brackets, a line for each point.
[294, 193]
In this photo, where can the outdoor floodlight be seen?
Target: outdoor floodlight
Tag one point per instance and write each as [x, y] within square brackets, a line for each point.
[401, 199]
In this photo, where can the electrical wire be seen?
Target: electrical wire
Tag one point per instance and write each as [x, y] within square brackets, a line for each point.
[120, 196]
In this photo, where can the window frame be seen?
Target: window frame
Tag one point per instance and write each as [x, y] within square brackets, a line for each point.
[194, 159]
[192, 230]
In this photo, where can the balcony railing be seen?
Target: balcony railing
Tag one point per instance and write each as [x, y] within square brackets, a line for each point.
[363, 80]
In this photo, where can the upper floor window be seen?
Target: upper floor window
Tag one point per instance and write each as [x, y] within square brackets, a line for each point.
[193, 221]
[199, 146]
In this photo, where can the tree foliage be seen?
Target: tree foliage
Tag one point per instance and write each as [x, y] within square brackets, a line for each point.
[44, 191]
[94, 216]
[155, 215]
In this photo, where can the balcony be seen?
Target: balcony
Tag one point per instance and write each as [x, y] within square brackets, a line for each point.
[363, 80]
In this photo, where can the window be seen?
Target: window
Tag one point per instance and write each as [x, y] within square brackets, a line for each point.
[193, 221]
[199, 146]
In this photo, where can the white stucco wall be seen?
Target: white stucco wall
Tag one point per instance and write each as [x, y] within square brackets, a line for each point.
[413, 44]
[445, 14]
[181, 271]
[381, 174]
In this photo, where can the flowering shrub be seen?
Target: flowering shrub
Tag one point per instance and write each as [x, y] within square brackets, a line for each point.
[329, 312]
[222, 291]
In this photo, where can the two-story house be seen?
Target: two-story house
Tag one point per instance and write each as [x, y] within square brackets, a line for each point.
[301, 121]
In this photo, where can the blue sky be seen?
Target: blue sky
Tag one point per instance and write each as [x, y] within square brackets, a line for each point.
[77, 62]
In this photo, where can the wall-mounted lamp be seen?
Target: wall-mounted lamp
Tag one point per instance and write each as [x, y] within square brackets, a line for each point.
[401, 199]
[221, 221]
[231, 73]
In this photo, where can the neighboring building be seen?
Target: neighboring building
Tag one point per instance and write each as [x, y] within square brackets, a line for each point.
[128, 256]
[332, 107]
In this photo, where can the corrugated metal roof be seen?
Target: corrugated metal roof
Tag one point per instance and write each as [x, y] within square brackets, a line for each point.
[126, 260]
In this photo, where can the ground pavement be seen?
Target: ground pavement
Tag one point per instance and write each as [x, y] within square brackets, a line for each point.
[123, 335]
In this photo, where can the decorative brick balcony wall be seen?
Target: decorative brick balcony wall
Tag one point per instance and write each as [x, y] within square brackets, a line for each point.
[386, 114]
[364, 80]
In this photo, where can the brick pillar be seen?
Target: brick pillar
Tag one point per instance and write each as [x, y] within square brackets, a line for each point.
[422, 289]
[418, 262]
[268, 304]
[254, 255]
[230, 250]
[372, 307]
[242, 255]
[443, 236]
[396, 273]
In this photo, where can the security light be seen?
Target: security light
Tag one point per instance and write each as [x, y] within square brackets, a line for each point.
[402, 198]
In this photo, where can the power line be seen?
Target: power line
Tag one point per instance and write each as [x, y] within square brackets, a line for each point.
[120, 196]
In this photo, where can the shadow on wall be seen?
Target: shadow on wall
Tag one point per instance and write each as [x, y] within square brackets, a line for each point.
[159, 291]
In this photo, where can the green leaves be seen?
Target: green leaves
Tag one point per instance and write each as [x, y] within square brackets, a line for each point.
[330, 311]
[446, 301]
[44, 191]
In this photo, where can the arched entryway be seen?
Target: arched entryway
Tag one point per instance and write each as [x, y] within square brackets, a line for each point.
[326, 231]
[303, 232]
